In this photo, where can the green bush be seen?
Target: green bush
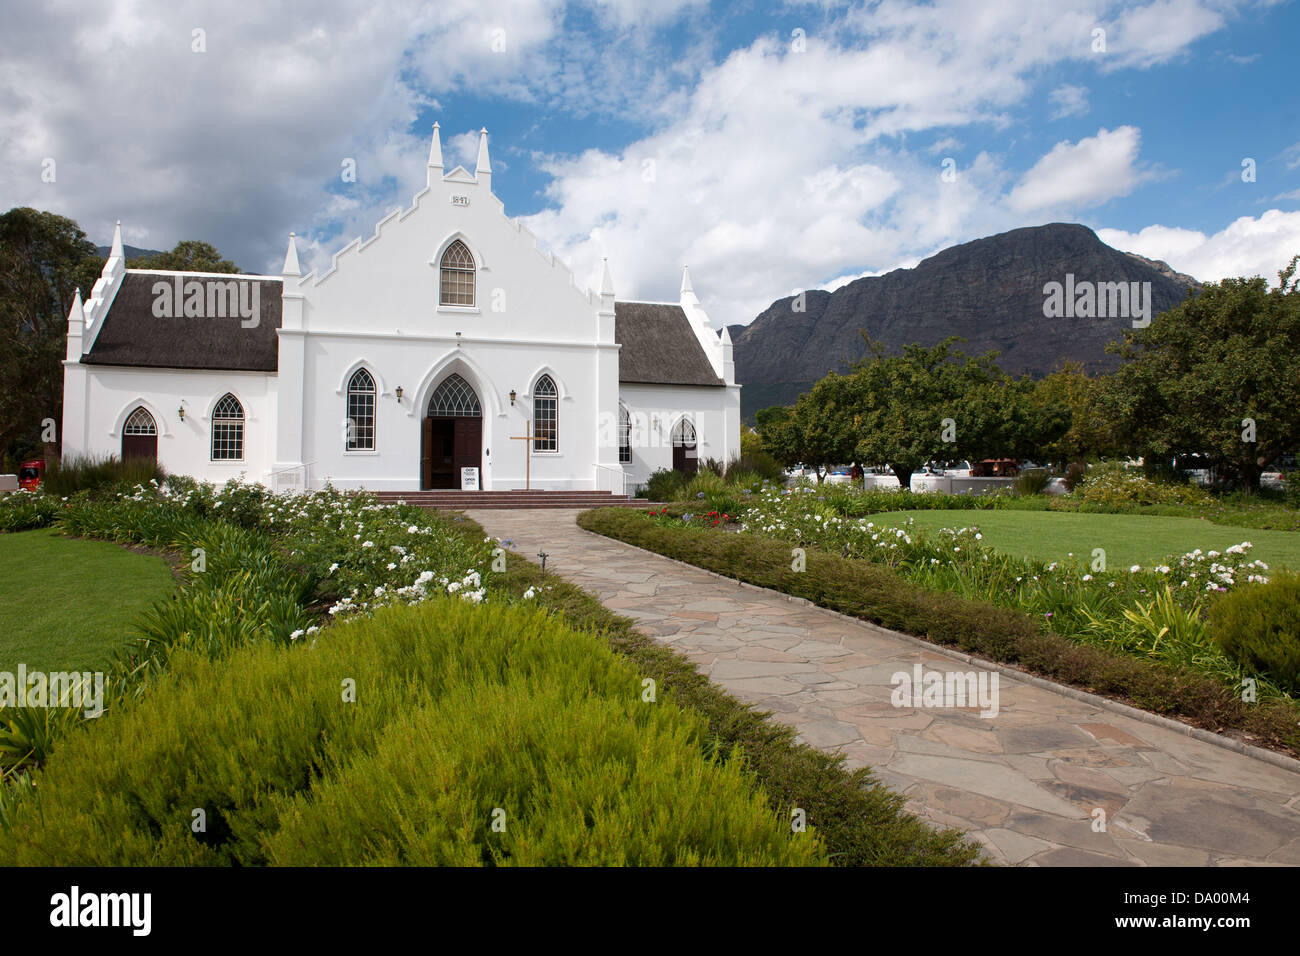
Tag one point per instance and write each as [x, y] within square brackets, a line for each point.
[1032, 482]
[458, 711]
[85, 473]
[1259, 627]
[22, 510]
[663, 485]
[1112, 484]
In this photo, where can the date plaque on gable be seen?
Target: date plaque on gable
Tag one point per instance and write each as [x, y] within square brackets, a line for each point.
[460, 200]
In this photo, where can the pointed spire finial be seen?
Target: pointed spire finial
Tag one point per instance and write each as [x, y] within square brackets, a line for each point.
[435, 149]
[606, 280]
[117, 242]
[483, 166]
[686, 280]
[77, 314]
[291, 267]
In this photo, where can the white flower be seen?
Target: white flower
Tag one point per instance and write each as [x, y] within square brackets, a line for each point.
[1135, 569]
[334, 567]
[1087, 577]
[296, 634]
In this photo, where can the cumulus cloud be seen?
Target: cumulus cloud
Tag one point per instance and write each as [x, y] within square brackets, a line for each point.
[1248, 246]
[1093, 170]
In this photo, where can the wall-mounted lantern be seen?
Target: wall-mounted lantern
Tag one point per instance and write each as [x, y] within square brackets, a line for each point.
[512, 396]
[398, 392]
[180, 412]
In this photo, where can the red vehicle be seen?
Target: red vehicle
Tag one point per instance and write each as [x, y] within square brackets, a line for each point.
[30, 474]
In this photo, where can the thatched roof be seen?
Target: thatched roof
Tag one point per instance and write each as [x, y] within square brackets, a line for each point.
[659, 347]
[133, 335]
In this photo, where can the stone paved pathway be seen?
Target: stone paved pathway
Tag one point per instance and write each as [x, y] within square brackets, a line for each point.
[1025, 783]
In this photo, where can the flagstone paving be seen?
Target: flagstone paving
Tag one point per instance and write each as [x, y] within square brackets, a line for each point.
[1028, 783]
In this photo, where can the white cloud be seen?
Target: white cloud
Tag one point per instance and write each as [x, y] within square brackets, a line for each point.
[1247, 247]
[1069, 101]
[1093, 170]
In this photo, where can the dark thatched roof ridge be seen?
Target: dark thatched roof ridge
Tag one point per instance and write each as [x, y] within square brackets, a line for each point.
[659, 347]
[133, 336]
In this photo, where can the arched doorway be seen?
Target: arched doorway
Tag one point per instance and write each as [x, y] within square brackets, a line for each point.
[140, 437]
[452, 434]
[685, 450]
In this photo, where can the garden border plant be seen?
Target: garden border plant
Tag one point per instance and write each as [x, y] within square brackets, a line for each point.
[861, 822]
[872, 592]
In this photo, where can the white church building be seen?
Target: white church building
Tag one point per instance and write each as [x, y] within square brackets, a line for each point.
[444, 351]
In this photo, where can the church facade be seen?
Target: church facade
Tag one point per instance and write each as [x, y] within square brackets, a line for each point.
[444, 351]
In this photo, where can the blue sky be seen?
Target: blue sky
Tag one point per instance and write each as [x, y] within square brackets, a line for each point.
[770, 146]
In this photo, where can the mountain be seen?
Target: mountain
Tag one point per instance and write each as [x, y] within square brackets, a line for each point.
[989, 291]
[132, 252]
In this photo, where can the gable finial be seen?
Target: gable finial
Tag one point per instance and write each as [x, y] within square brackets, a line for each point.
[686, 280]
[291, 267]
[606, 280]
[117, 242]
[483, 166]
[435, 150]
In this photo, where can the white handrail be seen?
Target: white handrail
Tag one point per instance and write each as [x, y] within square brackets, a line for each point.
[620, 480]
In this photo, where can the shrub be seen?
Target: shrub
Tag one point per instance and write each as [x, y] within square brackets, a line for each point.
[663, 485]
[1259, 627]
[86, 473]
[1032, 482]
[459, 710]
[22, 510]
[1111, 484]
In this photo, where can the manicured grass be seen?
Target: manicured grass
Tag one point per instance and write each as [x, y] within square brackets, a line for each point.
[1127, 539]
[68, 604]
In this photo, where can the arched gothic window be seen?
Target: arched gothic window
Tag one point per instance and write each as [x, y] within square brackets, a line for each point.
[624, 435]
[457, 276]
[361, 411]
[228, 429]
[454, 398]
[546, 414]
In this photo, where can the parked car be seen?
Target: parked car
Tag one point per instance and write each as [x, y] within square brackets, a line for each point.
[31, 473]
[996, 468]
[950, 469]
[838, 476]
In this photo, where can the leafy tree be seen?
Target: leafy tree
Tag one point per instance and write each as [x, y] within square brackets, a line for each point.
[934, 403]
[43, 259]
[1209, 375]
[1071, 425]
[815, 431]
[188, 256]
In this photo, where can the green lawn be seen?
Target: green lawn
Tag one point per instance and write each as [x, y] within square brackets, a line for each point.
[68, 604]
[1128, 539]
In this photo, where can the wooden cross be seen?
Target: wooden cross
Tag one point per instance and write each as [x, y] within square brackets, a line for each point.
[528, 453]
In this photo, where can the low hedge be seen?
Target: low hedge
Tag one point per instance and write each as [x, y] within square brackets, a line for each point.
[875, 593]
[462, 716]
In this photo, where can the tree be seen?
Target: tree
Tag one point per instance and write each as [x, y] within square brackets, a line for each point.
[1071, 425]
[42, 261]
[933, 403]
[188, 256]
[815, 430]
[1216, 375]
